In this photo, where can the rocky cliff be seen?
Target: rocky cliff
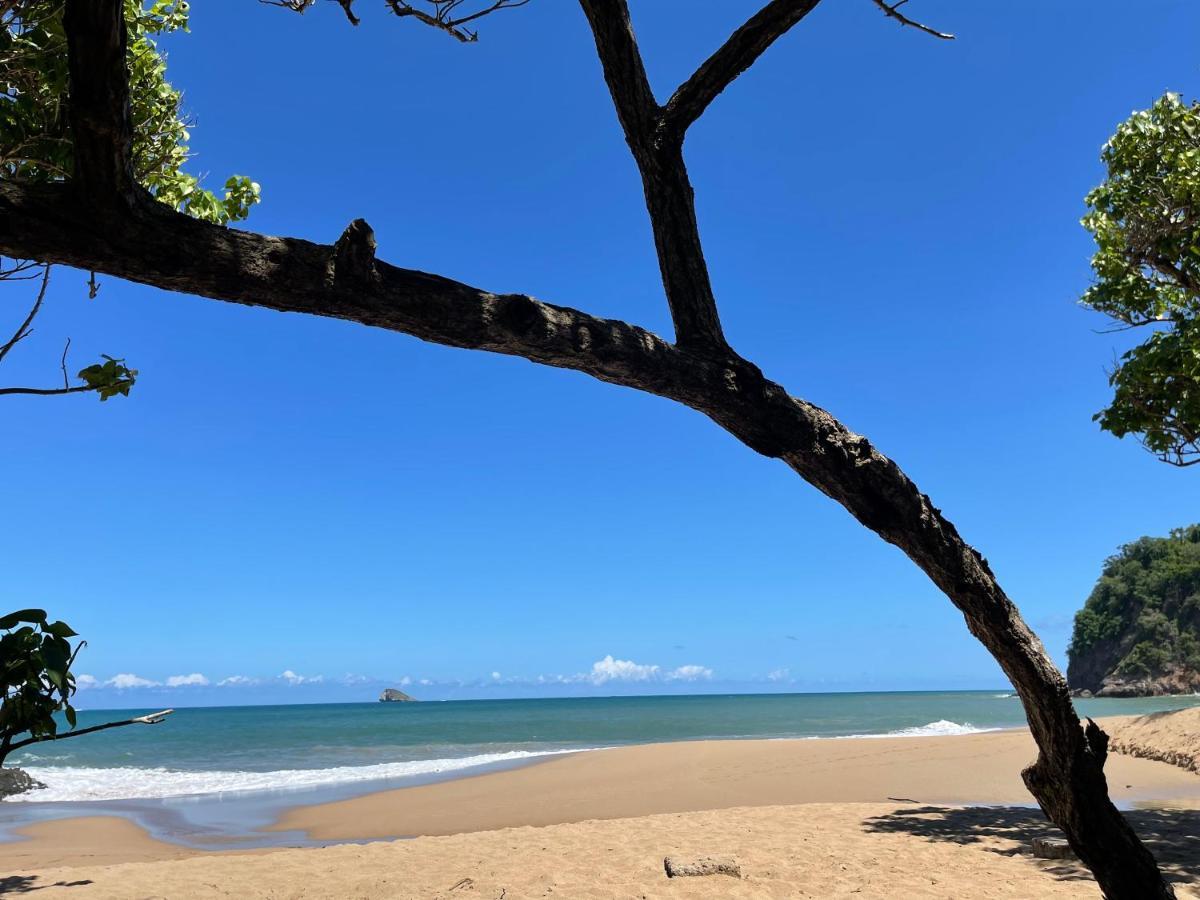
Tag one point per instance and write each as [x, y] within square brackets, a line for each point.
[1138, 634]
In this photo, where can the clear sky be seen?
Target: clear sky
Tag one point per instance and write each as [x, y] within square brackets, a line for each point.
[892, 228]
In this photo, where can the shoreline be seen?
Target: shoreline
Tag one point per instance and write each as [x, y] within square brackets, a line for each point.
[633, 781]
[847, 818]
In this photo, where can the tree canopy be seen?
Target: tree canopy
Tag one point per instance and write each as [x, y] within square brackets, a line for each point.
[1142, 619]
[1145, 218]
[36, 145]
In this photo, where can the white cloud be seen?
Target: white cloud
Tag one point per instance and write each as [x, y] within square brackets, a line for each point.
[294, 679]
[236, 680]
[85, 681]
[425, 681]
[405, 681]
[609, 669]
[195, 679]
[495, 676]
[129, 680]
[690, 673]
[351, 679]
[779, 675]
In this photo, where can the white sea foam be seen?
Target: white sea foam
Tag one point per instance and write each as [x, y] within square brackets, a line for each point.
[940, 728]
[127, 783]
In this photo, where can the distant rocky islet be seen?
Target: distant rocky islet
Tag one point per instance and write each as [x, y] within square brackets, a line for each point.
[392, 695]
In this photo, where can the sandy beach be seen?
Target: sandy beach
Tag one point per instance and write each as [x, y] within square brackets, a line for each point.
[888, 817]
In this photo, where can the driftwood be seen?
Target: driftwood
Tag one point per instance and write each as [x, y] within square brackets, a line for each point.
[148, 719]
[679, 867]
[1052, 848]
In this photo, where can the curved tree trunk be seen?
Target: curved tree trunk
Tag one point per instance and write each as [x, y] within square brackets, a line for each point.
[100, 223]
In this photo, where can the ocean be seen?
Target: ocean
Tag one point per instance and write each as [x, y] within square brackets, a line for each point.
[218, 774]
[251, 748]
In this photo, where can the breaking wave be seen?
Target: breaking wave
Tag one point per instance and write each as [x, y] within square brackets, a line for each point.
[128, 782]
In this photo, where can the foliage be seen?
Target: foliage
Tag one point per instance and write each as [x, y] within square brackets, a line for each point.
[1144, 612]
[1145, 219]
[35, 669]
[36, 143]
[35, 139]
[109, 378]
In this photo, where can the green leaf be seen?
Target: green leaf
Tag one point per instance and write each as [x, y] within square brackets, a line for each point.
[61, 629]
[33, 616]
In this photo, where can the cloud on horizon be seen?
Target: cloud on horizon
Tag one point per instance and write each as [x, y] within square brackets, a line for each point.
[294, 679]
[125, 680]
[195, 679]
[609, 670]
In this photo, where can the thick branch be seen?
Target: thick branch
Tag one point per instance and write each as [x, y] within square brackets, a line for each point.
[154, 245]
[99, 107]
[624, 73]
[157, 246]
[734, 57]
[151, 719]
[669, 198]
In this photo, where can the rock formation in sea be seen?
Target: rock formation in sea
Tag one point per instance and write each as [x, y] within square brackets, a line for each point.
[391, 695]
[16, 781]
[1138, 635]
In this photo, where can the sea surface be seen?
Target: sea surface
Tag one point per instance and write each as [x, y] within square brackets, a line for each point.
[224, 771]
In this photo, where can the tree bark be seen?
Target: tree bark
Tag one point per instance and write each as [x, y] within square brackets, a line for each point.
[151, 244]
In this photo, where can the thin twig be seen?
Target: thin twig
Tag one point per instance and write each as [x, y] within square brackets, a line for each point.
[24, 331]
[893, 11]
[441, 16]
[47, 392]
[63, 365]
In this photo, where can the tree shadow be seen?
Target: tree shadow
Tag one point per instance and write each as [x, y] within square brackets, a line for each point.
[1173, 835]
[24, 884]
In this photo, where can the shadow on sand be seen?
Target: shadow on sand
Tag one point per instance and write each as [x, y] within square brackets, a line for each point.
[25, 884]
[1173, 835]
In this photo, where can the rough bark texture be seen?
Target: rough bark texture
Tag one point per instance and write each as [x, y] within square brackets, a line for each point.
[99, 111]
[150, 244]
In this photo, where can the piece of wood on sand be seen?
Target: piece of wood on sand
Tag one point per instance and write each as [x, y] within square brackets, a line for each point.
[1052, 848]
[681, 866]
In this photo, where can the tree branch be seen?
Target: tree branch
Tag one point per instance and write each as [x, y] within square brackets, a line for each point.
[733, 58]
[669, 198]
[24, 330]
[47, 392]
[99, 105]
[441, 17]
[151, 719]
[625, 73]
[154, 245]
[892, 11]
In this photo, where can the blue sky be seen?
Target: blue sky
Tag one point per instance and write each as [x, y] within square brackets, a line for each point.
[892, 228]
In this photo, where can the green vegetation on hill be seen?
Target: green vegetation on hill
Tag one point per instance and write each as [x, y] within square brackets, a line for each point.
[1142, 620]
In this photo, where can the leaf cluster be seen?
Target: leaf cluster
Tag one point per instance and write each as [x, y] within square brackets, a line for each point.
[1145, 608]
[109, 378]
[35, 675]
[1145, 218]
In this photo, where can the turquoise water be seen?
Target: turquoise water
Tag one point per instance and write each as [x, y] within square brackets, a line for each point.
[224, 750]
